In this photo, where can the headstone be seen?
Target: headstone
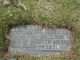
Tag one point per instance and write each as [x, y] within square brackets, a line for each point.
[35, 39]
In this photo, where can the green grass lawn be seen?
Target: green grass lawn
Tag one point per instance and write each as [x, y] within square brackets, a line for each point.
[48, 12]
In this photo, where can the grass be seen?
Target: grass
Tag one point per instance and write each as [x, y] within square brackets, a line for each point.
[49, 12]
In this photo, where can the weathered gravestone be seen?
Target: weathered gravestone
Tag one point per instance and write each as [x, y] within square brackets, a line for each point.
[35, 39]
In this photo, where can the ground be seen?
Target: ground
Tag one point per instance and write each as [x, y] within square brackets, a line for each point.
[44, 12]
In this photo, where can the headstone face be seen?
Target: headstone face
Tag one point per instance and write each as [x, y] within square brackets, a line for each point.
[35, 39]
